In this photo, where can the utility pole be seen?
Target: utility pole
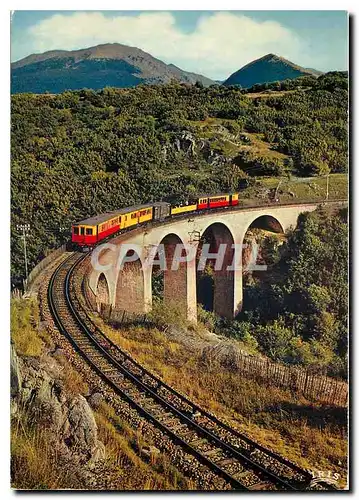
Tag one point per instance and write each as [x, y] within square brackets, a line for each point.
[24, 228]
[276, 191]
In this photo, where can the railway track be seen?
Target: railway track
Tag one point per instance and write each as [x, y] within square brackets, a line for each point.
[239, 461]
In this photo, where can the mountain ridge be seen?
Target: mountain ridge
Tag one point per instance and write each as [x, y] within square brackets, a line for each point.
[101, 65]
[118, 65]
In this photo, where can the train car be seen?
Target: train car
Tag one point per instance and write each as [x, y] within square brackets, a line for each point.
[206, 202]
[221, 200]
[161, 210]
[182, 209]
[145, 213]
[234, 199]
[89, 232]
[202, 203]
[218, 201]
[136, 215]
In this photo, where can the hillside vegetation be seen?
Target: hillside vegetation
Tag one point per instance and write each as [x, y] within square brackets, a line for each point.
[81, 153]
[297, 311]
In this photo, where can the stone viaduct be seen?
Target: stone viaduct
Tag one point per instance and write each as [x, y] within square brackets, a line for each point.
[121, 277]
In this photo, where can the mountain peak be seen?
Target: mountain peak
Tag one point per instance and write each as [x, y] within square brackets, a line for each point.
[266, 69]
[270, 56]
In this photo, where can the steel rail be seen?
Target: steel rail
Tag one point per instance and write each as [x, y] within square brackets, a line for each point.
[196, 407]
[253, 466]
[177, 439]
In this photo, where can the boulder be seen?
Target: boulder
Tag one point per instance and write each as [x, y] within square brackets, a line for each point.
[81, 433]
[95, 400]
[40, 393]
[150, 451]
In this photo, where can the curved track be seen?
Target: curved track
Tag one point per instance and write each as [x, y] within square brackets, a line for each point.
[240, 461]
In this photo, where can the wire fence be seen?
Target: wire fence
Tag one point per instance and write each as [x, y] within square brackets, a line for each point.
[313, 386]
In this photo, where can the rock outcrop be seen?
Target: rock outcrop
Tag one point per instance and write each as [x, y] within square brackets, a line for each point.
[37, 389]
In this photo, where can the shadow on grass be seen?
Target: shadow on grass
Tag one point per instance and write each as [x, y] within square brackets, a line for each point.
[317, 417]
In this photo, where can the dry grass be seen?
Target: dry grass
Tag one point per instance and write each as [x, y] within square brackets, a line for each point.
[73, 381]
[314, 188]
[123, 451]
[312, 435]
[29, 340]
[300, 189]
[264, 94]
[34, 461]
[261, 148]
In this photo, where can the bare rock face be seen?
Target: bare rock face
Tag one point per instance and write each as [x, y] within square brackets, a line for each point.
[40, 392]
[186, 142]
[37, 387]
[150, 451]
[81, 428]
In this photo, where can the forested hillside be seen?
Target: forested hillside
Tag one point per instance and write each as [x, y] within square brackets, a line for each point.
[297, 312]
[85, 152]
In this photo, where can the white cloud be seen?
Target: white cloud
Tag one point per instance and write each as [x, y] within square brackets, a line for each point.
[221, 43]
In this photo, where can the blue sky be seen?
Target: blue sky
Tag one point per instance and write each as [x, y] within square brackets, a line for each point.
[213, 43]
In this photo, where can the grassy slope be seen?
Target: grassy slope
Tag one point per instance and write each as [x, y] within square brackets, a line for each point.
[311, 435]
[211, 129]
[294, 189]
[265, 94]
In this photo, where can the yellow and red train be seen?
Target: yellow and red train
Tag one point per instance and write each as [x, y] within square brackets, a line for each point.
[89, 232]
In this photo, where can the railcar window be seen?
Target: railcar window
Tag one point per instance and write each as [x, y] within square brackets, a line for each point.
[89, 231]
[223, 198]
[76, 230]
[82, 231]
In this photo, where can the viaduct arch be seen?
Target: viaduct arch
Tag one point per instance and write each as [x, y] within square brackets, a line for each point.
[130, 285]
[102, 290]
[217, 239]
[130, 293]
